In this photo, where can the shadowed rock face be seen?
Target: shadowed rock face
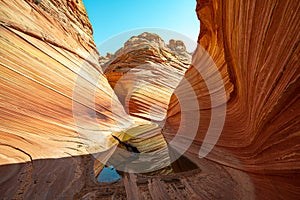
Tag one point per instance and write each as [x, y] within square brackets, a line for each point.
[255, 45]
[49, 69]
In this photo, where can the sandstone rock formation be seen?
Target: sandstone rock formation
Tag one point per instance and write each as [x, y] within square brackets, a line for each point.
[44, 47]
[143, 67]
[51, 125]
[255, 45]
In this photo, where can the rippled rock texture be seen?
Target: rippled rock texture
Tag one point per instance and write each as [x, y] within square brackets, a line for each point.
[145, 72]
[44, 47]
[50, 124]
[255, 45]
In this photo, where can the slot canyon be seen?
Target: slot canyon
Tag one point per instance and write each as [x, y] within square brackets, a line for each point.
[222, 122]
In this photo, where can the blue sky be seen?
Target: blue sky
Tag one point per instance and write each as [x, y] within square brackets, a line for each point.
[110, 18]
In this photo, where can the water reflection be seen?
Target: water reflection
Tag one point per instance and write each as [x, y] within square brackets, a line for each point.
[108, 174]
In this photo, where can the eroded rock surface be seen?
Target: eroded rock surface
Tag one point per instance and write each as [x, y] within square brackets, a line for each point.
[145, 72]
[255, 45]
[46, 51]
[50, 68]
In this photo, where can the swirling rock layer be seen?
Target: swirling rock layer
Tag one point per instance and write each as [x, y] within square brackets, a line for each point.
[50, 124]
[46, 51]
[255, 45]
[145, 72]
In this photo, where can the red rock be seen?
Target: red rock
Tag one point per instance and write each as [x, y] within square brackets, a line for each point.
[45, 155]
[255, 46]
[144, 74]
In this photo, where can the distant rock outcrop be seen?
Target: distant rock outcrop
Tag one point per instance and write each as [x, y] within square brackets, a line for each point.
[145, 72]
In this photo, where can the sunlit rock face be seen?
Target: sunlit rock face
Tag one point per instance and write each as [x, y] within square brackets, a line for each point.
[48, 66]
[255, 45]
[145, 72]
[50, 124]
[47, 51]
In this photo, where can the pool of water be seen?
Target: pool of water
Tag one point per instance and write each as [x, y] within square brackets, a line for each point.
[108, 174]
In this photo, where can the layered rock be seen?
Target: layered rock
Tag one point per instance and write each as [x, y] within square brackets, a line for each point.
[50, 124]
[255, 45]
[48, 66]
[145, 72]
[57, 106]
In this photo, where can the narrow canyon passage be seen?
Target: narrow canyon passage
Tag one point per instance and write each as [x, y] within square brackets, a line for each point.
[61, 102]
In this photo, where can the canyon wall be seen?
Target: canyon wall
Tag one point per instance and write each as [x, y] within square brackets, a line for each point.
[255, 45]
[58, 108]
[49, 69]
